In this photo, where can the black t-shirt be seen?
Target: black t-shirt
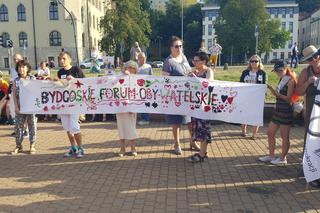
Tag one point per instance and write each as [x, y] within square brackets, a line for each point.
[75, 72]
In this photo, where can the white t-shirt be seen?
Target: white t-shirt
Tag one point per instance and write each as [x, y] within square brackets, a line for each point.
[215, 49]
[45, 72]
[145, 69]
[251, 78]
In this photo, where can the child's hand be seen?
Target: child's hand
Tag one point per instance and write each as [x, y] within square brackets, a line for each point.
[126, 72]
[69, 77]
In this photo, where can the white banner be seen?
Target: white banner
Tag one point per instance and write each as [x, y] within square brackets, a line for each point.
[215, 100]
[311, 157]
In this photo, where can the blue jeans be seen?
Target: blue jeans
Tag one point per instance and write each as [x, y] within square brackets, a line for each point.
[295, 58]
[145, 116]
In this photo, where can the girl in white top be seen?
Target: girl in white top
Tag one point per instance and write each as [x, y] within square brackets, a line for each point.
[43, 71]
[126, 121]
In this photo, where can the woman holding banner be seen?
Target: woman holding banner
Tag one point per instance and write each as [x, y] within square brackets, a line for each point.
[283, 116]
[177, 65]
[70, 122]
[201, 130]
[126, 121]
[254, 74]
[307, 86]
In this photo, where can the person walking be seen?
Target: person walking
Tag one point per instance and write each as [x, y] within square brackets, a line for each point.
[177, 65]
[24, 72]
[126, 121]
[70, 122]
[307, 86]
[283, 116]
[294, 55]
[214, 51]
[144, 69]
[254, 74]
[201, 130]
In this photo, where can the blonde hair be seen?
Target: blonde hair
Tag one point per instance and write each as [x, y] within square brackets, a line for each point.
[260, 66]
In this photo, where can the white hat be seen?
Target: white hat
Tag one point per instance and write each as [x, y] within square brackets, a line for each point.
[308, 52]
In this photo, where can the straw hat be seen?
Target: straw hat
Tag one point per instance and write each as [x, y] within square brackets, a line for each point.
[308, 52]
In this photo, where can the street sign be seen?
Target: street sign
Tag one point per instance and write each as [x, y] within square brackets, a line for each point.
[1, 41]
[9, 43]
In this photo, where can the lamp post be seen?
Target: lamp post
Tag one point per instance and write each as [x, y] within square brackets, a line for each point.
[182, 4]
[55, 2]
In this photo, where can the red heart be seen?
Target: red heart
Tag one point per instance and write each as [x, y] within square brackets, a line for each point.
[207, 108]
[140, 82]
[121, 81]
[45, 108]
[178, 104]
[192, 107]
[53, 107]
[205, 84]
[221, 107]
[167, 86]
[117, 103]
[230, 99]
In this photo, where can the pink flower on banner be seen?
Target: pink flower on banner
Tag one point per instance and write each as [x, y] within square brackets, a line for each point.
[45, 109]
[53, 107]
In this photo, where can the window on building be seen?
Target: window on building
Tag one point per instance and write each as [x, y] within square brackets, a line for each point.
[210, 15]
[209, 43]
[53, 12]
[203, 29]
[83, 40]
[5, 37]
[291, 27]
[210, 29]
[282, 55]
[82, 14]
[303, 30]
[23, 39]
[55, 38]
[6, 62]
[274, 11]
[269, 11]
[283, 25]
[283, 12]
[291, 12]
[290, 42]
[4, 17]
[21, 12]
[274, 55]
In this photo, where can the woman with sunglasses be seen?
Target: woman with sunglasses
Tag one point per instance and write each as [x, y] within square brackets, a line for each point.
[201, 130]
[283, 116]
[307, 86]
[177, 65]
[254, 74]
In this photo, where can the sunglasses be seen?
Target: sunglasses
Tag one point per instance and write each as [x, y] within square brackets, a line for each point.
[315, 56]
[177, 46]
[254, 61]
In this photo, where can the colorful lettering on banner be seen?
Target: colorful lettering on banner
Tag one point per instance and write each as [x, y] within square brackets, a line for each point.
[214, 100]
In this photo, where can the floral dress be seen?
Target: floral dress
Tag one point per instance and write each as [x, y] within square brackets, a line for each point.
[201, 130]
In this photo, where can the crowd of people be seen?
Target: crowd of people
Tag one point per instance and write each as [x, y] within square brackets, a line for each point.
[287, 94]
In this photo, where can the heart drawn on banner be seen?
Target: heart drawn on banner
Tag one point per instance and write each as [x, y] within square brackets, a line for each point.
[167, 86]
[205, 84]
[230, 99]
[224, 98]
[121, 81]
[207, 108]
[147, 104]
[155, 105]
[117, 103]
[210, 88]
[140, 82]
[178, 103]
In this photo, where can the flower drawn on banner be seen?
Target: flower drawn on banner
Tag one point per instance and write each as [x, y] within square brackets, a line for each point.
[78, 84]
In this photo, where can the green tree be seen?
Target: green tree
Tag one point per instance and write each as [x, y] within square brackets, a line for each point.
[125, 24]
[236, 24]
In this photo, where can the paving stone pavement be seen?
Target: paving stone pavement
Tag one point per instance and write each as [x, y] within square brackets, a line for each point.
[156, 180]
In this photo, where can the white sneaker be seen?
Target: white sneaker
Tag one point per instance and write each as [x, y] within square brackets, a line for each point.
[266, 158]
[143, 123]
[278, 161]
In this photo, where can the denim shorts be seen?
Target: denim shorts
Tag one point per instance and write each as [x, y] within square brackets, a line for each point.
[178, 119]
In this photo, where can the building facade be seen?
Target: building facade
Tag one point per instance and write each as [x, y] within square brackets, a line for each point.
[304, 35]
[286, 11]
[315, 28]
[40, 29]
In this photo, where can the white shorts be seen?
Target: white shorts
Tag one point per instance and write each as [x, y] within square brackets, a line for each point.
[70, 123]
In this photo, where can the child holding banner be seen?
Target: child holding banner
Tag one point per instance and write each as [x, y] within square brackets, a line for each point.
[126, 121]
[283, 115]
[70, 122]
[201, 130]
[24, 71]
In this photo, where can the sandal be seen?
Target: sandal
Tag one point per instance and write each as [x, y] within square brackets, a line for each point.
[196, 158]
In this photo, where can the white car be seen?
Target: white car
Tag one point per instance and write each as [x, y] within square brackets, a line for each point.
[87, 63]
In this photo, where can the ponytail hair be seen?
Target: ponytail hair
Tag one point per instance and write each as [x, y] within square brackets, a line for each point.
[289, 72]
